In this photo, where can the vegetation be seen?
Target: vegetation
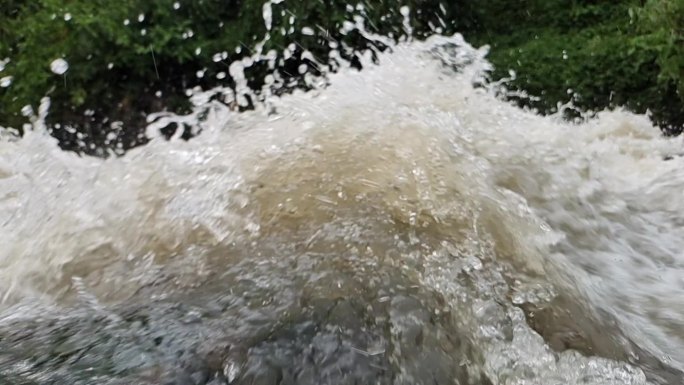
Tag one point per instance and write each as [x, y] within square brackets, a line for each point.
[132, 57]
[596, 54]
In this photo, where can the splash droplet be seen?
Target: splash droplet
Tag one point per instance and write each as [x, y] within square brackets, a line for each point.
[267, 14]
[221, 75]
[141, 17]
[307, 31]
[67, 16]
[6, 81]
[176, 5]
[59, 66]
[27, 110]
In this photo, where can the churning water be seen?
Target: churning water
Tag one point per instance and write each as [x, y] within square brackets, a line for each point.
[400, 226]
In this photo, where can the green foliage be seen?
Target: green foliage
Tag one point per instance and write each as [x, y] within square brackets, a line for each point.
[662, 25]
[597, 54]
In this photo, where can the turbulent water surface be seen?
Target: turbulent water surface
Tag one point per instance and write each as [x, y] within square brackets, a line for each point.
[399, 226]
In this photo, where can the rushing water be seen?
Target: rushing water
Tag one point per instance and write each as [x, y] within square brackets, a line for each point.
[400, 226]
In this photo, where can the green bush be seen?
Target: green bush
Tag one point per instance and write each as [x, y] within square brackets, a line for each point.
[595, 54]
[661, 27]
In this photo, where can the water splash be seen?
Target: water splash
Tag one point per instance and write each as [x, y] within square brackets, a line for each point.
[478, 237]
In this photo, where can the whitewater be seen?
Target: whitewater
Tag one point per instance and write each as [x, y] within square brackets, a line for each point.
[397, 225]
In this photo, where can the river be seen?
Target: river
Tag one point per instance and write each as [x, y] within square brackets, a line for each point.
[401, 225]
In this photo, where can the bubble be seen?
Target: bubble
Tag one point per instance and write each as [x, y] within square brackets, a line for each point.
[6, 81]
[59, 66]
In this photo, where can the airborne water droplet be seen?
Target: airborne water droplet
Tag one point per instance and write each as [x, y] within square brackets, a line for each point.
[141, 17]
[6, 81]
[267, 14]
[27, 110]
[59, 66]
[176, 5]
[67, 16]
[307, 31]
